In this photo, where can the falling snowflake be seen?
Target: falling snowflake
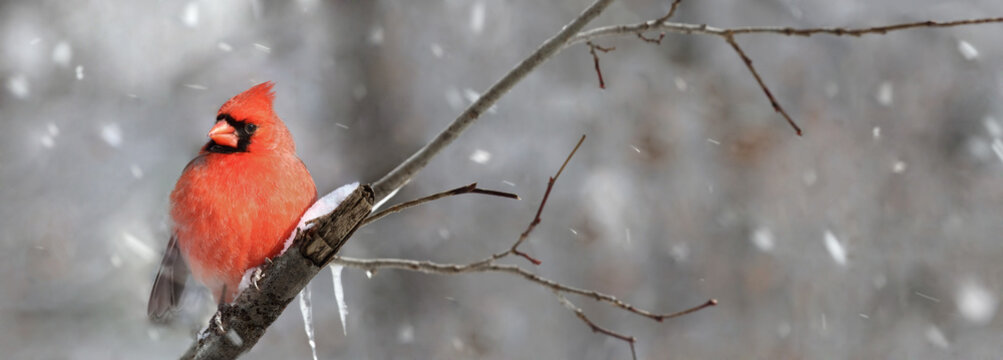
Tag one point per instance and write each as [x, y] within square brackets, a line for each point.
[763, 239]
[835, 248]
[112, 134]
[480, 156]
[885, 94]
[967, 51]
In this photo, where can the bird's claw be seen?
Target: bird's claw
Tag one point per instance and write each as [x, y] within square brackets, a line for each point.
[217, 322]
[256, 276]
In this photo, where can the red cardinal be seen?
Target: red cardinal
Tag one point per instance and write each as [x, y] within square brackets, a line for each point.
[234, 204]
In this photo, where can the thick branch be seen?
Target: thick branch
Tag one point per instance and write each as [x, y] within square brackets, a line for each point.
[255, 309]
[403, 173]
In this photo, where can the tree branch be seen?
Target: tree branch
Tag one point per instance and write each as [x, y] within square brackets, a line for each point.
[469, 189]
[403, 173]
[489, 265]
[728, 35]
[255, 309]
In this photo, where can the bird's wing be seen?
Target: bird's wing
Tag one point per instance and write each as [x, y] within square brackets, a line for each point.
[170, 283]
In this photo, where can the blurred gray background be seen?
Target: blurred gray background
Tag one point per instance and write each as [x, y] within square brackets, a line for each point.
[876, 235]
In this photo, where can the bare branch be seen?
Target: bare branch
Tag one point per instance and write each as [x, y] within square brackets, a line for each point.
[469, 189]
[762, 85]
[595, 59]
[488, 265]
[539, 210]
[630, 340]
[683, 28]
[403, 173]
[728, 34]
[672, 11]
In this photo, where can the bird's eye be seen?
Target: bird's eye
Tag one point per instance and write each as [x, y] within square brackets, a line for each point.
[250, 128]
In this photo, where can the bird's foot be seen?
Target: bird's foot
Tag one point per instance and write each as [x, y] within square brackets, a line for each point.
[256, 276]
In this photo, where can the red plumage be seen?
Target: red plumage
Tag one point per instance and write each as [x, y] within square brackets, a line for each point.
[235, 203]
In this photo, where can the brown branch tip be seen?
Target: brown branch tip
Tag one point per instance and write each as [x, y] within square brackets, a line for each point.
[539, 210]
[595, 59]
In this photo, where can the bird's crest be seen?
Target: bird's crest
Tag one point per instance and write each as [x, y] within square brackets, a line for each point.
[254, 100]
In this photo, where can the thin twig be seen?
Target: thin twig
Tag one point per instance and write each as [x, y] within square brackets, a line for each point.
[672, 11]
[657, 41]
[539, 210]
[469, 189]
[630, 340]
[403, 173]
[684, 28]
[429, 267]
[595, 59]
[766, 90]
[728, 34]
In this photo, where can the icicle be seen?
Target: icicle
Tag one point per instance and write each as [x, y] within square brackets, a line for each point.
[339, 296]
[307, 311]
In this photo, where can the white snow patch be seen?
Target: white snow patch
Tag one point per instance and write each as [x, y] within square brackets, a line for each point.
[47, 141]
[936, 337]
[224, 47]
[369, 274]
[967, 50]
[245, 280]
[52, 129]
[437, 50]
[997, 147]
[62, 54]
[680, 252]
[898, 167]
[635, 148]
[137, 172]
[453, 98]
[79, 72]
[138, 247]
[112, 134]
[307, 310]
[712, 141]
[196, 86]
[405, 334]
[835, 248]
[876, 132]
[376, 35]
[471, 95]
[263, 48]
[444, 233]
[480, 156]
[339, 296]
[477, 14]
[190, 14]
[18, 86]
[762, 237]
[885, 94]
[234, 338]
[992, 126]
[115, 260]
[976, 303]
[680, 83]
[322, 207]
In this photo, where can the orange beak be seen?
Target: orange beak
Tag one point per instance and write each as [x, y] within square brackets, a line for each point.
[224, 134]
